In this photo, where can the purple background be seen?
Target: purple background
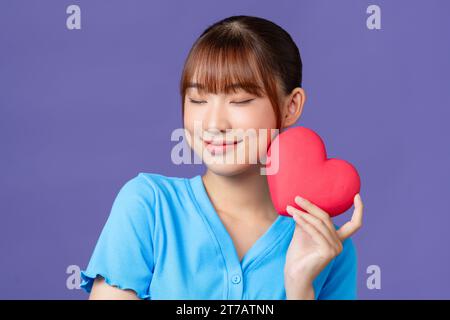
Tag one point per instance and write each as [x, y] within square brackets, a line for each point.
[83, 111]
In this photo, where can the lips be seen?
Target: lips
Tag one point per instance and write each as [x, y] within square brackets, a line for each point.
[220, 146]
[220, 143]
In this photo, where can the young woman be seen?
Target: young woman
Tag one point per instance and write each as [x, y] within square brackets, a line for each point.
[218, 236]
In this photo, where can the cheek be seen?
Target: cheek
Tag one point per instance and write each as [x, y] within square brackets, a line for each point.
[191, 117]
[189, 126]
[261, 121]
[255, 117]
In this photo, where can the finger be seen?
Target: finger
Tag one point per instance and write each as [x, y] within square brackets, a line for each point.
[330, 235]
[311, 230]
[313, 209]
[349, 228]
[316, 211]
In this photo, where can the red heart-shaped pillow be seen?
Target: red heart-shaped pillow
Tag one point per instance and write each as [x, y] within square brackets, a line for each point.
[299, 165]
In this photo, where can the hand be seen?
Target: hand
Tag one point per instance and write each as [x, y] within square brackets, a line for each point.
[314, 244]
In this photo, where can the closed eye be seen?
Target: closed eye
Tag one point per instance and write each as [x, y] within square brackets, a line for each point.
[244, 102]
[202, 101]
[196, 101]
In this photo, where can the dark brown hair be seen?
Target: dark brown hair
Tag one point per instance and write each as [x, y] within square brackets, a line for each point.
[253, 53]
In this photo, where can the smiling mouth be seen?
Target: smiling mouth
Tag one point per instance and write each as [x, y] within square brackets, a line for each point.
[220, 147]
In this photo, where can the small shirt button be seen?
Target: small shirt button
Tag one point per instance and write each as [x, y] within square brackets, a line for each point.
[236, 279]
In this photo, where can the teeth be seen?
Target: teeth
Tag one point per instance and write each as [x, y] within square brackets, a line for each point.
[221, 143]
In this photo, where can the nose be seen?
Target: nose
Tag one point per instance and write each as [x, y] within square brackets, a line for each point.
[216, 120]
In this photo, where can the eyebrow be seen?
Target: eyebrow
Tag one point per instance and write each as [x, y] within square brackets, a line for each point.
[201, 87]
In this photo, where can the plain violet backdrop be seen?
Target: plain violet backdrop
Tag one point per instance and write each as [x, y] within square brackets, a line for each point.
[83, 111]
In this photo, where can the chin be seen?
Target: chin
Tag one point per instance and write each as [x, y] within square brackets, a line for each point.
[229, 170]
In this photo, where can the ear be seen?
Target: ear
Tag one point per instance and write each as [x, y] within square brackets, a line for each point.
[293, 107]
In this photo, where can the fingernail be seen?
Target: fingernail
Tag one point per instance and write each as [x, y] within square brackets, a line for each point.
[299, 199]
[288, 208]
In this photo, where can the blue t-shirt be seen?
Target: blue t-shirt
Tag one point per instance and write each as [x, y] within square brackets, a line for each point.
[164, 240]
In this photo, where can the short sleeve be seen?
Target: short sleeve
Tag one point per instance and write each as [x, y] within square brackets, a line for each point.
[341, 283]
[123, 255]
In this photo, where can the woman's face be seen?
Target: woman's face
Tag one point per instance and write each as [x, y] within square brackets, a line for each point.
[229, 132]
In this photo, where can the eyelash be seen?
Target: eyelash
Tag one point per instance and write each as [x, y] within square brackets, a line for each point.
[240, 102]
[195, 101]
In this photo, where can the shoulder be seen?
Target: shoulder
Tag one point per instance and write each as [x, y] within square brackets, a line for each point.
[348, 252]
[345, 265]
[348, 258]
[147, 189]
[341, 279]
[137, 207]
[159, 181]
[146, 185]
[138, 196]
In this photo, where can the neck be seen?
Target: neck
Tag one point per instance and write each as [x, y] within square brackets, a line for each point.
[243, 196]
